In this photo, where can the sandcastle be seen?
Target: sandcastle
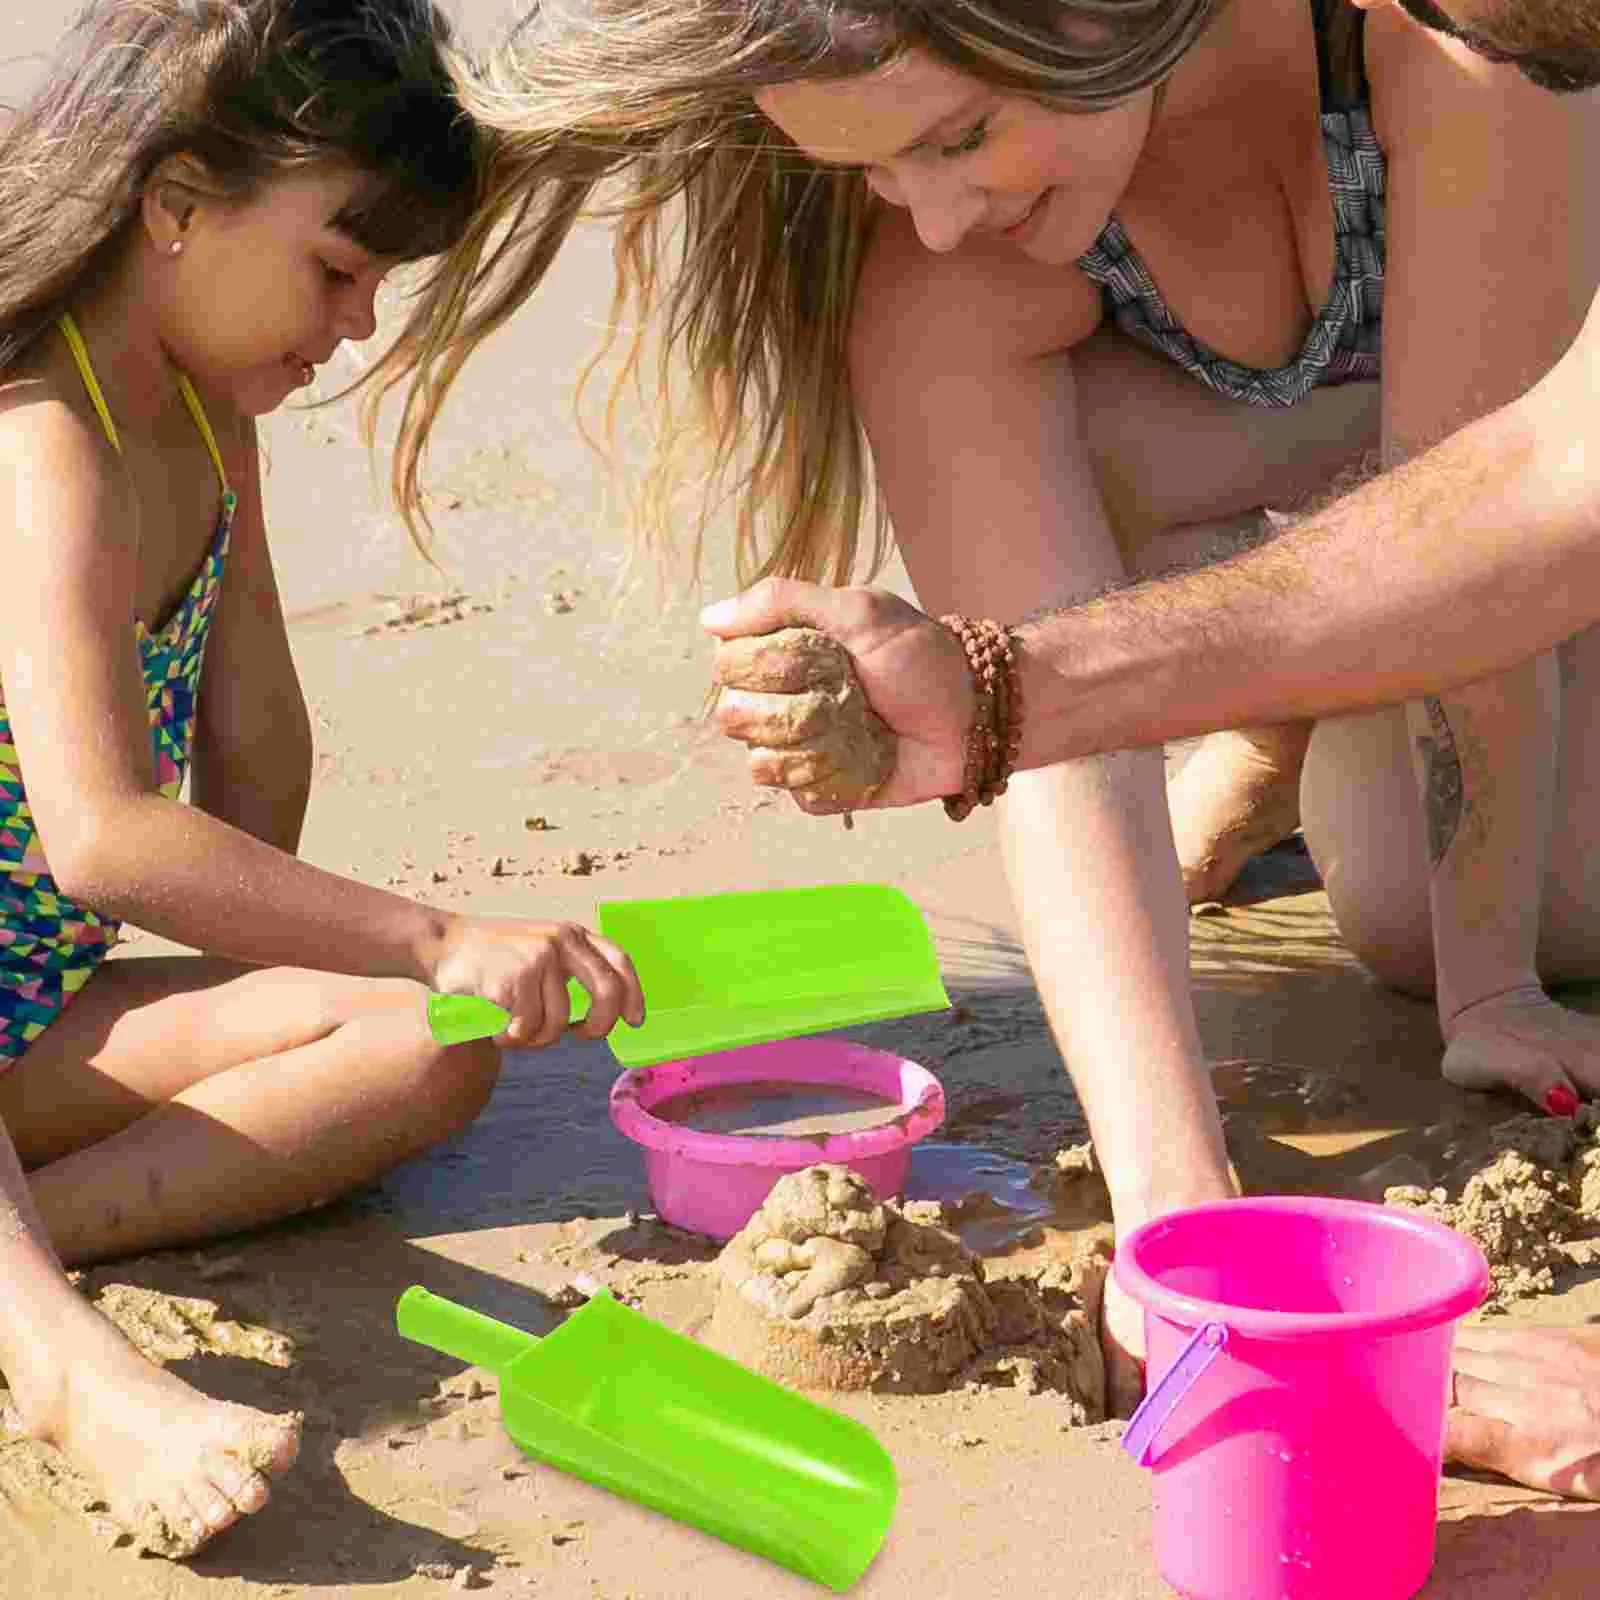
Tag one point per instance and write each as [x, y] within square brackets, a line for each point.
[827, 1287]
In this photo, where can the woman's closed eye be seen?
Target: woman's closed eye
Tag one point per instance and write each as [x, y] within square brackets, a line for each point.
[337, 275]
[969, 141]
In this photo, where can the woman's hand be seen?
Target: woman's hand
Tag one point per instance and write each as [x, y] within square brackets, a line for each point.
[913, 672]
[1122, 1345]
[524, 967]
[1523, 1040]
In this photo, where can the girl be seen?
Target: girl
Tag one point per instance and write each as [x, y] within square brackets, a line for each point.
[1084, 280]
[195, 211]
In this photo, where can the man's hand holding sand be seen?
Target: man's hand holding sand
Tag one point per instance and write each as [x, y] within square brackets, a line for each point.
[807, 730]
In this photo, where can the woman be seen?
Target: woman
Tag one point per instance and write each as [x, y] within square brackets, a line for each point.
[1086, 283]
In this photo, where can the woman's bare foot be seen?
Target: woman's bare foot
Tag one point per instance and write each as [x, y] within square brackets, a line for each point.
[174, 1466]
[1524, 1040]
[1235, 796]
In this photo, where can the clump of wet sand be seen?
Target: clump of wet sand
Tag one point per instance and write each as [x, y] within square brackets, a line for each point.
[828, 1287]
[1527, 1192]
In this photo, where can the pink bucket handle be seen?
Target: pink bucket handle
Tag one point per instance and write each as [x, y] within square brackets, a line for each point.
[1139, 1437]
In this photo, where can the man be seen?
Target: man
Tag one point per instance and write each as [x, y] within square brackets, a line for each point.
[1462, 563]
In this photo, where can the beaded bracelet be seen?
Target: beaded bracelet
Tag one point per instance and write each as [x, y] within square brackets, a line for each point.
[994, 740]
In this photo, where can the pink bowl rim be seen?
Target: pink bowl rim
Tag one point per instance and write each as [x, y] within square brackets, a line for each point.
[1469, 1269]
[636, 1090]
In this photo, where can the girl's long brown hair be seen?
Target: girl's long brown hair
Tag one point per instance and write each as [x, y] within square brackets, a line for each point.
[734, 253]
[247, 89]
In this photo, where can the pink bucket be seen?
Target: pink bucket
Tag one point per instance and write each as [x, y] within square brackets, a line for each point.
[713, 1183]
[1299, 1358]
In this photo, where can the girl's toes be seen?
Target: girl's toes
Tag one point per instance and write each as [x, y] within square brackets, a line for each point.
[246, 1491]
[215, 1510]
[276, 1443]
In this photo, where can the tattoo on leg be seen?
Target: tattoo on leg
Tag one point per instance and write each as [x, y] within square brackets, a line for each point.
[1443, 791]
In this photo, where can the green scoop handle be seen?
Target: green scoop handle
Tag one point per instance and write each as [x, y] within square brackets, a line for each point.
[459, 1331]
[460, 1018]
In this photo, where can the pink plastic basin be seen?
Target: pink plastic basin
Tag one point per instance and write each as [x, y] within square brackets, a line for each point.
[713, 1183]
[1297, 1447]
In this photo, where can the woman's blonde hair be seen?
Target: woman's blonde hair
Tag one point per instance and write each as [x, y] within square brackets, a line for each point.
[750, 277]
[245, 89]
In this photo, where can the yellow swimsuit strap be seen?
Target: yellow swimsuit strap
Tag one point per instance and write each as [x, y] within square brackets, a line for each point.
[80, 354]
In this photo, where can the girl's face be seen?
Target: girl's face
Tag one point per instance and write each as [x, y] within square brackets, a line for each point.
[966, 158]
[264, 291]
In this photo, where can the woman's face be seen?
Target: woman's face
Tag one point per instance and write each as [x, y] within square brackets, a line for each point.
[966, 158]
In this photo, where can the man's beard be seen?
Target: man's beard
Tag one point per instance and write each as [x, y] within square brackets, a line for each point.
[1567, 68]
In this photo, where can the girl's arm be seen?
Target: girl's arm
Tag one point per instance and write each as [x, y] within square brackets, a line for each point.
[1492, 262]
[70, 669]
[252, 757]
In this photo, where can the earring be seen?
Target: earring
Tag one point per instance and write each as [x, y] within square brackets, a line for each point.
[175, 248]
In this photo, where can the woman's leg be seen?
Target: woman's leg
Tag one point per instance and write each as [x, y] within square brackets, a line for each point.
[1183, 473]
[1497, 847]
[177, 1098]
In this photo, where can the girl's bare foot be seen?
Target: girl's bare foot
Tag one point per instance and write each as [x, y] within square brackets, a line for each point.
[1237, 795]
[174, 1466]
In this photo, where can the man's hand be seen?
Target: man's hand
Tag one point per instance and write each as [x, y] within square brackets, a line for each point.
[912, 671]
[1527, 1404]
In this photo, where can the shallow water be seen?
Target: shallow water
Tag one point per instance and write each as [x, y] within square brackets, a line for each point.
[544, 1150]
[778, 1111]
[949, 1172]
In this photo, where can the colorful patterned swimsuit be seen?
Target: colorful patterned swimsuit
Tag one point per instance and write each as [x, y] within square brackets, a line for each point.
[50, 945]
[1344, 342]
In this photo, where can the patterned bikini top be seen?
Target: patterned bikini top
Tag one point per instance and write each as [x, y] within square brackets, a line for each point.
[1345, 340]
[171, 656]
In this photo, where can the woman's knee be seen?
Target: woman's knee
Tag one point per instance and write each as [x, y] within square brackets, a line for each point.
[1399, 956]
[1363, 825]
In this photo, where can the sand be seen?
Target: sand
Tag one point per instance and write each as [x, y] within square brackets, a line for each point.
[526, 737]
[827, 1288]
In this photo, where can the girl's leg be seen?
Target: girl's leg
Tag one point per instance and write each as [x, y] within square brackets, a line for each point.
[1183, 472]
[178, 1098]
[181, 1097]
[173, 1465]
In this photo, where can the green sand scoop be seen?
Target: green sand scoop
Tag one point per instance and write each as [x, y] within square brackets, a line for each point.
[627, 1404]
[724, 970]
[461, 1018]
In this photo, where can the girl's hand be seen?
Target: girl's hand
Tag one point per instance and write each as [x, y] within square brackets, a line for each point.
[524, 967]
[1523, 1040]
[912, 671]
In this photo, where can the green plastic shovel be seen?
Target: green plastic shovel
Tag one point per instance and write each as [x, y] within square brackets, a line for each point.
[729, 969]
[460, 1018]
[617, 1399]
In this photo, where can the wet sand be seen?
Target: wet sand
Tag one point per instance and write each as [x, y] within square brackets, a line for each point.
[525, 739]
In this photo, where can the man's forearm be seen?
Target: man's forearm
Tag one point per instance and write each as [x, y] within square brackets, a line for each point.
[1473, 557]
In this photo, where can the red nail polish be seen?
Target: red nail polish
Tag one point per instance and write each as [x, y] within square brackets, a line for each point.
[1561, 1102]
